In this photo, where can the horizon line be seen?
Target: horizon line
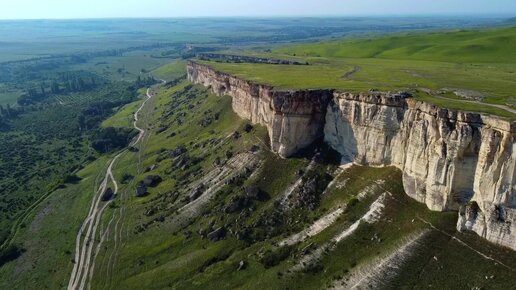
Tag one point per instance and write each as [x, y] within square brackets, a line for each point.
[479, 15]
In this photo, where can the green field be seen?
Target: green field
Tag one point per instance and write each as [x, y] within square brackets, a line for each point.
[464, 46]
[171, 70]
[481, 63]
[125, 68]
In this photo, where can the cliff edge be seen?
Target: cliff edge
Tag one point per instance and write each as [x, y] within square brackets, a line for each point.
[294, 118]
[451, 160]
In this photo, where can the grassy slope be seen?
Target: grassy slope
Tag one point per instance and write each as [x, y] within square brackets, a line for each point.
[49, 239]
[124, 116]
[50, 230]
[482, 61]
[163, 257]
[170, 71]
[9, 97]
[489, 46]
[130, 65]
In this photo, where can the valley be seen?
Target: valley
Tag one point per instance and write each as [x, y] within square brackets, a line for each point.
[275, 160]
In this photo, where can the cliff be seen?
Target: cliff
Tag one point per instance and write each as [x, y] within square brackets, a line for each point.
[294, 119]
[450, 160]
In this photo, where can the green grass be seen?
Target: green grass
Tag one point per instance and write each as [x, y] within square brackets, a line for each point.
[463, 106]
[124, 117]
[481, 61]
[465, 46]
[170, 71]
[9, 98]
[494, 81]
[153, 247]
[123, 68]
[163, 256]
[49, 239]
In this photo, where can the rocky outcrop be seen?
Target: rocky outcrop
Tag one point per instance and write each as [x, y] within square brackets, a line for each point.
[450, 160]
[496, 223]
[249, 59]
[293, 118]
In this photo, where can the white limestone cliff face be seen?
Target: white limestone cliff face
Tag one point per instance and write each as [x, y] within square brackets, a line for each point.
[294, 119]
[450, 160]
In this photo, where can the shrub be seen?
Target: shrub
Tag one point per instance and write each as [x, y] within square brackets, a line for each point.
[109, 139]
[10, 253]
[274, 257]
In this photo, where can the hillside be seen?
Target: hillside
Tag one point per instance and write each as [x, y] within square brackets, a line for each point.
[463, 46]
[474, 66]
[230, 214]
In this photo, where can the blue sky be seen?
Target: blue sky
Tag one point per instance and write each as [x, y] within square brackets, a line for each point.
[38, 9]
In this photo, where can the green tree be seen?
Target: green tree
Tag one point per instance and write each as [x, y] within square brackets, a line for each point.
[54, 88]
[81, 84]
[8, 111]
[43, 92]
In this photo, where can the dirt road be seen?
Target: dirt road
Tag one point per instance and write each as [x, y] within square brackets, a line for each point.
[85, 239]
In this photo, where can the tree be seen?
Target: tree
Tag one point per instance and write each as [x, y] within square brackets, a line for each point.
[9, 111]
[82, 122]
[43, 93]
[54, 88]
[81, 84]
[68, 85]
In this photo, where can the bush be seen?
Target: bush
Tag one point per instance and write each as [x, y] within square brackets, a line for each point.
[110, 139]
[314, 267]
[273, 258]
[152, 180]
[248, 128]
[10, 253]
[352, 202]
[126, 178]
[72, 179]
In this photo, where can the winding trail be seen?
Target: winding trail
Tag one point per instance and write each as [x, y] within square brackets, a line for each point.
[84, 255]
[503, 107]
[348, 75]
[136, 118]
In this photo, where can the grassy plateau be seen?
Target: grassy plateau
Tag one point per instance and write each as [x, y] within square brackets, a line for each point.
[443, 68]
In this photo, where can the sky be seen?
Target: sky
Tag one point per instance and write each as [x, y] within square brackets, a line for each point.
[65, 9]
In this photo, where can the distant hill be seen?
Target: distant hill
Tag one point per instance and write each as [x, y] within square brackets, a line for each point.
[493, 45]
